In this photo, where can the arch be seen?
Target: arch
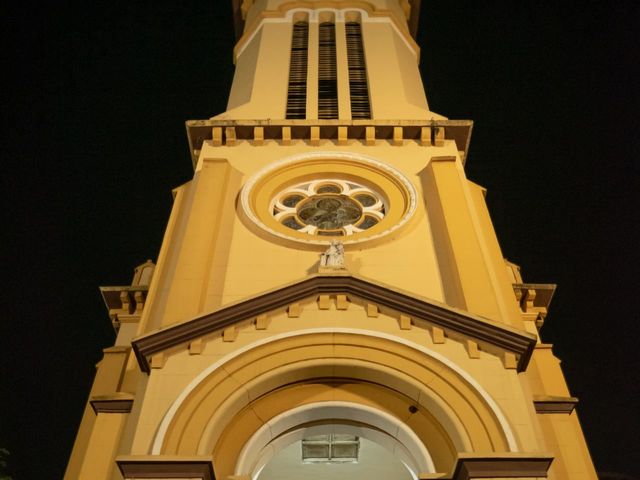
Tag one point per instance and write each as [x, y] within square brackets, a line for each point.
[230, 392]
[373, 424]
[392, 445]
[287, 12]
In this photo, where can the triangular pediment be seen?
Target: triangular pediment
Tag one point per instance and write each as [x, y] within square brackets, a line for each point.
[502, 336]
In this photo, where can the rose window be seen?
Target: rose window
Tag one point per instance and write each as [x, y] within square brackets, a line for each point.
[328, 207]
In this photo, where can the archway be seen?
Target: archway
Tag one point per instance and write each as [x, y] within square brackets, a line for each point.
[369, 457]
[233, 399]
[322, 418]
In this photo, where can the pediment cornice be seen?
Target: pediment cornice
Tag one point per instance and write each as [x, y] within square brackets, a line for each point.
[505, 337]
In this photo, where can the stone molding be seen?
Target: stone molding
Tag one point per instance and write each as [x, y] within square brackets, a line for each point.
[228, 132]
[508, 465]
[116, 403]
[554, 404]
[124, 303]
[176, 467]
[534, 300]
[514, 341]
[469, 466]
[401, 194]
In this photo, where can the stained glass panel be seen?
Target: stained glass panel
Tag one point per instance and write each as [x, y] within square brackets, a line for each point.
[329, 212]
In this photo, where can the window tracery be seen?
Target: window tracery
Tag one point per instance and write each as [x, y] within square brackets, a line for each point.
[329, 207]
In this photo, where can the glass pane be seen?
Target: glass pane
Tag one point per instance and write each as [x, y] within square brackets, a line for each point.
[345, 451]
[291, 222]
[292, 200]
[329, 212]
[329, 188]
[368, 222]
[366, 200]
[315, 451]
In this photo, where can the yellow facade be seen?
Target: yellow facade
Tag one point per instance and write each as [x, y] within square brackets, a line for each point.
[240, 342]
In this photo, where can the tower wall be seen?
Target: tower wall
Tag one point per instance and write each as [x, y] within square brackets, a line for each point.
[263, 53]
[329, 271]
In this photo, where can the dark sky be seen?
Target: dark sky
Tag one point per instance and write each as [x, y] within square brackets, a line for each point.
[93, 142]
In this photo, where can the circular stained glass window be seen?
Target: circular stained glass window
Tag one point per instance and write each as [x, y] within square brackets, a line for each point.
[330, 207]
[329, 212]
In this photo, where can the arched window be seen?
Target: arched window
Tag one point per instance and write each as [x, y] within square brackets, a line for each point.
[297, 93]
[327, 72]
[358, 86]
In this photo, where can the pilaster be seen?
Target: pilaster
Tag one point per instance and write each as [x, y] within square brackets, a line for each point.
[312, 69]
[466, 278]
[344, 103]
[102, 447]
[205, 217]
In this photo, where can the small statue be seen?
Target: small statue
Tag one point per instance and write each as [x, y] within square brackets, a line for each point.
[333, 258]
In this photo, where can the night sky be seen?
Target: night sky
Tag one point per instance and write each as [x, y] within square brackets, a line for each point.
[94, 140]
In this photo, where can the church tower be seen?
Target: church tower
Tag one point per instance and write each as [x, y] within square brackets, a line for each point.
[330, 300]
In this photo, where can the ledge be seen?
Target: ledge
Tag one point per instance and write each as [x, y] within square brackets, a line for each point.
[199, 131]
[124, 303]
[551, 404]
[502, 465]
[544, 292]
[111, 295]
[534, 300]
[116, 403]
[176, 467]
[503, 336]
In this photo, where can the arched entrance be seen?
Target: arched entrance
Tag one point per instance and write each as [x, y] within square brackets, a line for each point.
[289, 381]
[330, 419]
[367, 460]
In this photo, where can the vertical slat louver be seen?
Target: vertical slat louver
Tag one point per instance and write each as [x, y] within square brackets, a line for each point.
[327, 72]
[358, 87]
[297, 94]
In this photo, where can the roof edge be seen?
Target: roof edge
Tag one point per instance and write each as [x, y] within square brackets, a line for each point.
[503, 336]
[413, 20]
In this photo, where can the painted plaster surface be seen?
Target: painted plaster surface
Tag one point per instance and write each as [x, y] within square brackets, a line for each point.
[237, 395]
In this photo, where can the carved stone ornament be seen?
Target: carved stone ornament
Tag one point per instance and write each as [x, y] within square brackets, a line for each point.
[333, 257]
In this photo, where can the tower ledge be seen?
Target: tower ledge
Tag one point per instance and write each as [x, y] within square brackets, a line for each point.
[428, 132]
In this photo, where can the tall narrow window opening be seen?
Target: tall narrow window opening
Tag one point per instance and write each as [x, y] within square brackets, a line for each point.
[327, 72]
[297, 93]
[358, 87]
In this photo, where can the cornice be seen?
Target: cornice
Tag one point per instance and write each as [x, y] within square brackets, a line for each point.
[554, 404]
[152, 466]
[124, 303]
[519, 342]
[509, 465]
[468, 466]
[228, 132]
[116, 403]
[534, 300]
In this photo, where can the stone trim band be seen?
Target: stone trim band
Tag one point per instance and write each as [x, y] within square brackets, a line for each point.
[503, 336]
